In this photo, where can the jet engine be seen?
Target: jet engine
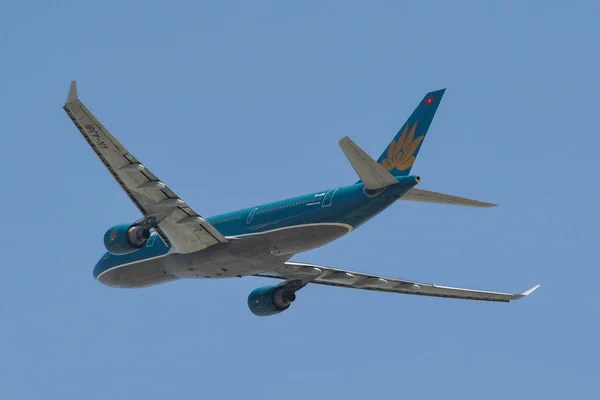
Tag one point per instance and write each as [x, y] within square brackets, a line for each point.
[126, 238]
[270, 300]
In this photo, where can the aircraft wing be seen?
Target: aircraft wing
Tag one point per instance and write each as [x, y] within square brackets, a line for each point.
[309, 273]
[176, 222]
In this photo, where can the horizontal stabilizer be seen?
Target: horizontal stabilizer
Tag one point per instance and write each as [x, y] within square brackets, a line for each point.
[426, 196]
[372, 175]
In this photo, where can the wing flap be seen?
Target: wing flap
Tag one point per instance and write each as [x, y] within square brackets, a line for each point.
[178, 224]
[427, 196]
[357, 280]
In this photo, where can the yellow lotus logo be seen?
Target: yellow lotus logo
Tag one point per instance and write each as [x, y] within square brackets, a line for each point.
[400, 153]
[113, 235]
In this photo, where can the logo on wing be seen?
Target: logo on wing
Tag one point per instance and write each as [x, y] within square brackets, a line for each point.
[400, 154]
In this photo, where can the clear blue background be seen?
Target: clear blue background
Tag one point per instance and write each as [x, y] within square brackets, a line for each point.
[238, 103]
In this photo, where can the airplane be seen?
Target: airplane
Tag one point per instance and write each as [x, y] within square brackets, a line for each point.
[172, 241]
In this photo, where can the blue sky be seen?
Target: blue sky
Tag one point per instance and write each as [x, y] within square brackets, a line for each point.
[238, 103]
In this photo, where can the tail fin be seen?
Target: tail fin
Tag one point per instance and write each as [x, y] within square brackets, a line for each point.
[400, 155]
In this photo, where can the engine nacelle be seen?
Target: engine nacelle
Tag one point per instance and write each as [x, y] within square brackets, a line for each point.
[125, 238]
[270, 300]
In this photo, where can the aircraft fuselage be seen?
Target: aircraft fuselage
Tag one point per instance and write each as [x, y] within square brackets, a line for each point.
[260, 238]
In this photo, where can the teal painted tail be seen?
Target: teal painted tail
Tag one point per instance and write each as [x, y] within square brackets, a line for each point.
[399, 157]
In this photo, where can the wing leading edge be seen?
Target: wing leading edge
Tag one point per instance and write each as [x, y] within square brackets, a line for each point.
[309, 273]
[176, 222]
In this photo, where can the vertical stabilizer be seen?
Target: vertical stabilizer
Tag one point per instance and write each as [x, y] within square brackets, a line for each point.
[400, 155]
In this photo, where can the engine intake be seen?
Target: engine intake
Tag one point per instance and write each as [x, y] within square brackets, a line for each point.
[126, 238]
[270, 300]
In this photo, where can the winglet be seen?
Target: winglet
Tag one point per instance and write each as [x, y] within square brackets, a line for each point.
[525, 293]
[528, 292]
[72, 93]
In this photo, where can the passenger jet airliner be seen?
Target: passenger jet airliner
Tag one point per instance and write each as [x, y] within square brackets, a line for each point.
[172, 241]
